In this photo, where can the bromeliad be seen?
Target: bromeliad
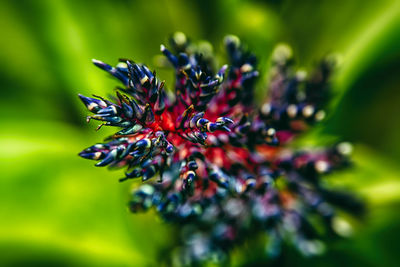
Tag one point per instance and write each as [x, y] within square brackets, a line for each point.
[223, 163]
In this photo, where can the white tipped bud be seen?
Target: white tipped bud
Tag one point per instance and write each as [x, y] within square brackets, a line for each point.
[292, 110]
[232, 39]
[345, 148]
[308, 111]
[180, 38]
[321, 166]
[301, 75]
[320, 115]
[282, 53]
[266, 109]
[271, 132]
[342, 227]
[246, 68]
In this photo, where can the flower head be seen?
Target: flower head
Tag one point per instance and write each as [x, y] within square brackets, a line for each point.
[223, 163]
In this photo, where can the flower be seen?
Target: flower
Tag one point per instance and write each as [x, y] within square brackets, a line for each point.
[225, 169]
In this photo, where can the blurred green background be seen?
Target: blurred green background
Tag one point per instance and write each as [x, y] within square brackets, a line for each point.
[58, 210]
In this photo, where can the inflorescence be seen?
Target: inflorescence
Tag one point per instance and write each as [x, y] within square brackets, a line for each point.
[223, 166]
